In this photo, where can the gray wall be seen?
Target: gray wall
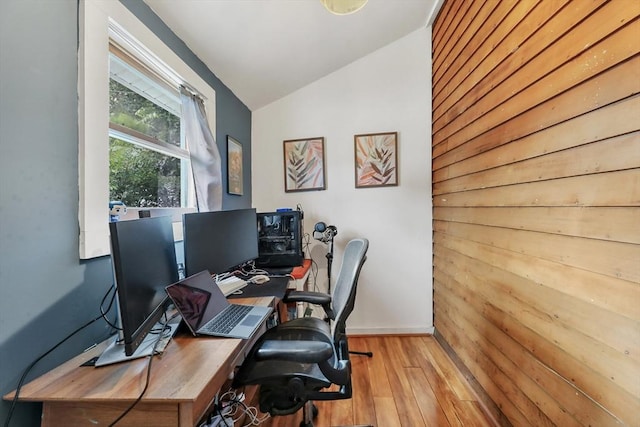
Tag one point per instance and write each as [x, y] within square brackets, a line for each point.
[46, 292]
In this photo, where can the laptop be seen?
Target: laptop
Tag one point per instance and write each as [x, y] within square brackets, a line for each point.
[205, 309]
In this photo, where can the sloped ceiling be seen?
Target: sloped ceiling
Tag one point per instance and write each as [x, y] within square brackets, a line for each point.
[265, 49]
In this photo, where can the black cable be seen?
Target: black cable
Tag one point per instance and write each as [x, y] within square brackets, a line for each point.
[314, 274]
[30, 367]
[306, 243]
[146, 384]
[314, 265]
[222, 418]
[104, 313]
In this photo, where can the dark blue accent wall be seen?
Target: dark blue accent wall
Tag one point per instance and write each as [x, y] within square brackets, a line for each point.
[46, 292]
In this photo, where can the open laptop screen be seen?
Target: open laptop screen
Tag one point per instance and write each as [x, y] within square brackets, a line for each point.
[192, 301]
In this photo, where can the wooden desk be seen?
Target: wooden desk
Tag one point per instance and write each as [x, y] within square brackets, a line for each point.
[183, 384]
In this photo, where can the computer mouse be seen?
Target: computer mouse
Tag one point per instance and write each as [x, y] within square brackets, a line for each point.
[260, 279]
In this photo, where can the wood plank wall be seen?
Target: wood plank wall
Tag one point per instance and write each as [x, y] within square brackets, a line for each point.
[536, 193]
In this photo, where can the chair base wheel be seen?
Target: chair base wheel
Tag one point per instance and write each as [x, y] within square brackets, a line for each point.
[362, 353]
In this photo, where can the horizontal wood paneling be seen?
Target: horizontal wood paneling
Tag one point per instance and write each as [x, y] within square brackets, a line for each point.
[614, 259]
[510, 33]
[611, 224]
[580, 55]
[621, 188]
[613, 294]
[583, 160]
[543, 388]
[536, 194]
[610, 121]
[499, 304]
[622, 81]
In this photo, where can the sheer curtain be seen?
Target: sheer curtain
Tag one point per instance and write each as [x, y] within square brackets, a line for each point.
[205, 157]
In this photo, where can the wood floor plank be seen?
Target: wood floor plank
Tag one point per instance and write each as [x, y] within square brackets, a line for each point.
[455, 394]
[380, 385]
[386, 412]
[324, 415]
[363, 403]
[395, 369]
[397, 364]
[402, 352]
[446, 398]
[427, 402]
[447, 369]
[470, 411]
[342, 412]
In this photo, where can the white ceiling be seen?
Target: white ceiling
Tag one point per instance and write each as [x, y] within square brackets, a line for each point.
[264, 50]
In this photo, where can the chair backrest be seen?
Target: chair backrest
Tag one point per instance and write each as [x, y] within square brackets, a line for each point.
[344, 294]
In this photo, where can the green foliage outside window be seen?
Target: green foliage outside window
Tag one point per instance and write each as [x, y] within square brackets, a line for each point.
[140, 177]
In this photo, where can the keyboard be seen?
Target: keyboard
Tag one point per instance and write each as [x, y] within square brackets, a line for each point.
[231, 284]
[228, 319]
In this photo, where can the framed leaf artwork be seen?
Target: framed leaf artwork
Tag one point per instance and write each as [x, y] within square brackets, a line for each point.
[376, 159]
[304, 164]
[234, 167]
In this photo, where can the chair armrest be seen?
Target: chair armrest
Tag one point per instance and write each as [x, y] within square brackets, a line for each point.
[294, 351]
[318, 298]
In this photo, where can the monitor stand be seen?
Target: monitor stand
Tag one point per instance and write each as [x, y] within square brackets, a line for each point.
[114, 353]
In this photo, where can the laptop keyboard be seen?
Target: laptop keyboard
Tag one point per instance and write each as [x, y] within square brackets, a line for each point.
[228, 319]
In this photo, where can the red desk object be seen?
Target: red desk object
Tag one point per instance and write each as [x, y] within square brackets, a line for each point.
[300, 271]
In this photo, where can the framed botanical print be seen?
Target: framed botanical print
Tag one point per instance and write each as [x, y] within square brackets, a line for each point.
[304, 168]
[376, 159]
[234, 167]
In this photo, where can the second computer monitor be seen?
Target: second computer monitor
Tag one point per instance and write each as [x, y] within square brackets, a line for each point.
[219, 241]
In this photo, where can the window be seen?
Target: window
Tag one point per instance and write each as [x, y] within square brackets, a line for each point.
[148, 163]
[119, 57]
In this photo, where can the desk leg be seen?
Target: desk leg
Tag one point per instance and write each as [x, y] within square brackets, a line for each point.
[283, 314]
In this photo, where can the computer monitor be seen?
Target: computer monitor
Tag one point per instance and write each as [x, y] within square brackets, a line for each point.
[219, 241]
[144, 263]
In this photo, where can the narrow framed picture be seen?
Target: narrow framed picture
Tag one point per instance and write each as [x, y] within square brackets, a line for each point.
[376, 159]
[304, 168]
[234, 167]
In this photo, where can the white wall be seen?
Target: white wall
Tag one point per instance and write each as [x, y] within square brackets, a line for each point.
[389, 90]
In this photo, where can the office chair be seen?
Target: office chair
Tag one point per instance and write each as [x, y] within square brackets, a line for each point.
[293, 361]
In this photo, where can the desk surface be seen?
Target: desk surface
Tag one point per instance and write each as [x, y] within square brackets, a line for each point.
[184, 380]
[275, 287]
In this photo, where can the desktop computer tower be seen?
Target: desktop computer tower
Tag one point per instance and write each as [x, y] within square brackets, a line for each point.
[280, 239]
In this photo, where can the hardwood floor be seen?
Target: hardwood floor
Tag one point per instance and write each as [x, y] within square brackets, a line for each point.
[409, 382]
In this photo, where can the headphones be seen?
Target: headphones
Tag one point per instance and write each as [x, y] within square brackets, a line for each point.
[323, 232]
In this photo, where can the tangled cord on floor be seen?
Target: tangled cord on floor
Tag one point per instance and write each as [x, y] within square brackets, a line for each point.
[230, 409]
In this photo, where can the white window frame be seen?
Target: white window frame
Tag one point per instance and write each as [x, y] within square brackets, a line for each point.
[101, 20]
[187, 190]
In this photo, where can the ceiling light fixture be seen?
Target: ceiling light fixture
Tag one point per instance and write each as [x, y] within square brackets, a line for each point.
[343, 7]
